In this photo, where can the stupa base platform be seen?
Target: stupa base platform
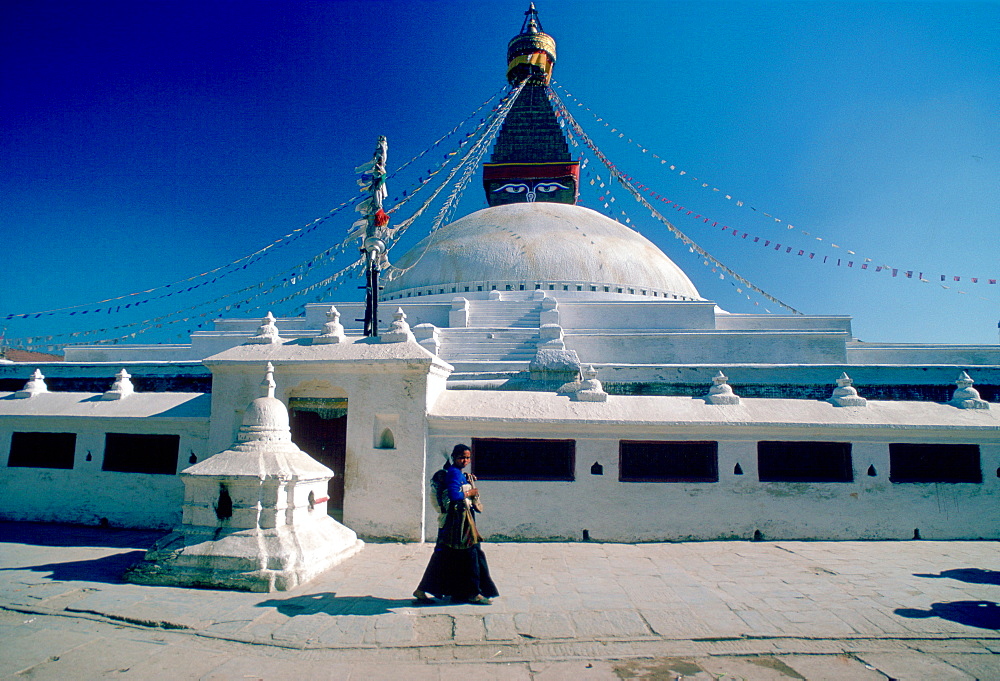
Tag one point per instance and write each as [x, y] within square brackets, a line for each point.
[257, 559]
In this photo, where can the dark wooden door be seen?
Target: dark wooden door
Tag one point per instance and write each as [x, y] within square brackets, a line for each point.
[326, 441]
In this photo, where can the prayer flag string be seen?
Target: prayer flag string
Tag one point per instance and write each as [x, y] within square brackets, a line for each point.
[744, 204]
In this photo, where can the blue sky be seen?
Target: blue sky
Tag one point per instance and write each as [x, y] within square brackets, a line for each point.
[145, 142]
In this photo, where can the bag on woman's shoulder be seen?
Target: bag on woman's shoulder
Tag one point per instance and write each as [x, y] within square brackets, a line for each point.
[439, 491]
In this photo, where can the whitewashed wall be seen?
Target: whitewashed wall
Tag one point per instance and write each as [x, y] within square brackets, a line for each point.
[696, 347]
[85, 494]
[737, 505]
[384, 383]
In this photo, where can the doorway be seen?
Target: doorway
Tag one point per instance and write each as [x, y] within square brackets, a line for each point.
[319, 428]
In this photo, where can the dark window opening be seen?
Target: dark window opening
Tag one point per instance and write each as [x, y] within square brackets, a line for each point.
[42, 450]
[934, 463]
[523, 459]
[130, 453]
[668, 461]
[804, 462]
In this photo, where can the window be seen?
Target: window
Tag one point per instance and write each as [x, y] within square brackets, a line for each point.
[42, 450]
[523, 459]
[804, 462]
[668, 461]
[934, 463]
[128, 453]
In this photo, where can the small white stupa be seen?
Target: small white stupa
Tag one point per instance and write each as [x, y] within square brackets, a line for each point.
[255, 515]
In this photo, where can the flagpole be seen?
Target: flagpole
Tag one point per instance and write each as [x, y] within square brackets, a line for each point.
[375, 222]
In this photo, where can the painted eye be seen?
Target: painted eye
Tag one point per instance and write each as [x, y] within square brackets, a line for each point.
[512, 188]
[549, 187]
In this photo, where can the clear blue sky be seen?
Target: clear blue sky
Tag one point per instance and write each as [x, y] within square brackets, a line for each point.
[145, 142]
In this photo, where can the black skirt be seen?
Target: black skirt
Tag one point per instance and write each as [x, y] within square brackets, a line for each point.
[460, 573]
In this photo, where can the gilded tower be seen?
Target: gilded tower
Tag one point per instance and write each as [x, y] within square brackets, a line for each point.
[531, 160]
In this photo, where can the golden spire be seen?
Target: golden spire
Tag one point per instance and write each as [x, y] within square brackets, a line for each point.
[531, 53]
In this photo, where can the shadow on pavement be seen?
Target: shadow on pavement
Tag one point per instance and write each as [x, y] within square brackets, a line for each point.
[980, 614]
[969, 575]
[107, 570]
[49, 534]
[332, 604]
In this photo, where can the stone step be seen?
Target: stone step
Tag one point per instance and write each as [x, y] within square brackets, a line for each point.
[504, 314]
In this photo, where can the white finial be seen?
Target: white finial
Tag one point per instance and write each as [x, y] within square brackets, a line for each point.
[965, 396]
[845, 395]
[34, 386]
[721, 392]
[333, 330]
[399, 330]
[121, 388]
[590, 389]
[267, 334]
[268, 383]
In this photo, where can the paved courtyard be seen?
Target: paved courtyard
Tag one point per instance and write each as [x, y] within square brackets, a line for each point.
[706, 610]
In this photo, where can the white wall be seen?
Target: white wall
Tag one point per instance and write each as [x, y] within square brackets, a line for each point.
[737, 505]
[646, 315]
[693, 347]
[961, 355]
[85, 494]
[384, 384]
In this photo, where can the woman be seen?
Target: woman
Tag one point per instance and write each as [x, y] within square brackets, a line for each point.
[458, 567]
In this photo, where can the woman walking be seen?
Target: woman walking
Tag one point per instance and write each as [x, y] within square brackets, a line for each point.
[458, 566]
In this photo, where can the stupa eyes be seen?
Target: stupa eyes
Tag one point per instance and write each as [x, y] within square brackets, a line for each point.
[549, 187]
[511, 188]
[524, 188]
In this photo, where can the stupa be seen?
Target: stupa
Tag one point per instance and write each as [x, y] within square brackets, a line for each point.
[254, 515]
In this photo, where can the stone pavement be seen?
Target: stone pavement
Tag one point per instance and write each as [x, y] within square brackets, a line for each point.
[707, 610]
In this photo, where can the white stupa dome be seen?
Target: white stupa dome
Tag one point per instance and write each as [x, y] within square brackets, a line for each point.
[524, 246]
